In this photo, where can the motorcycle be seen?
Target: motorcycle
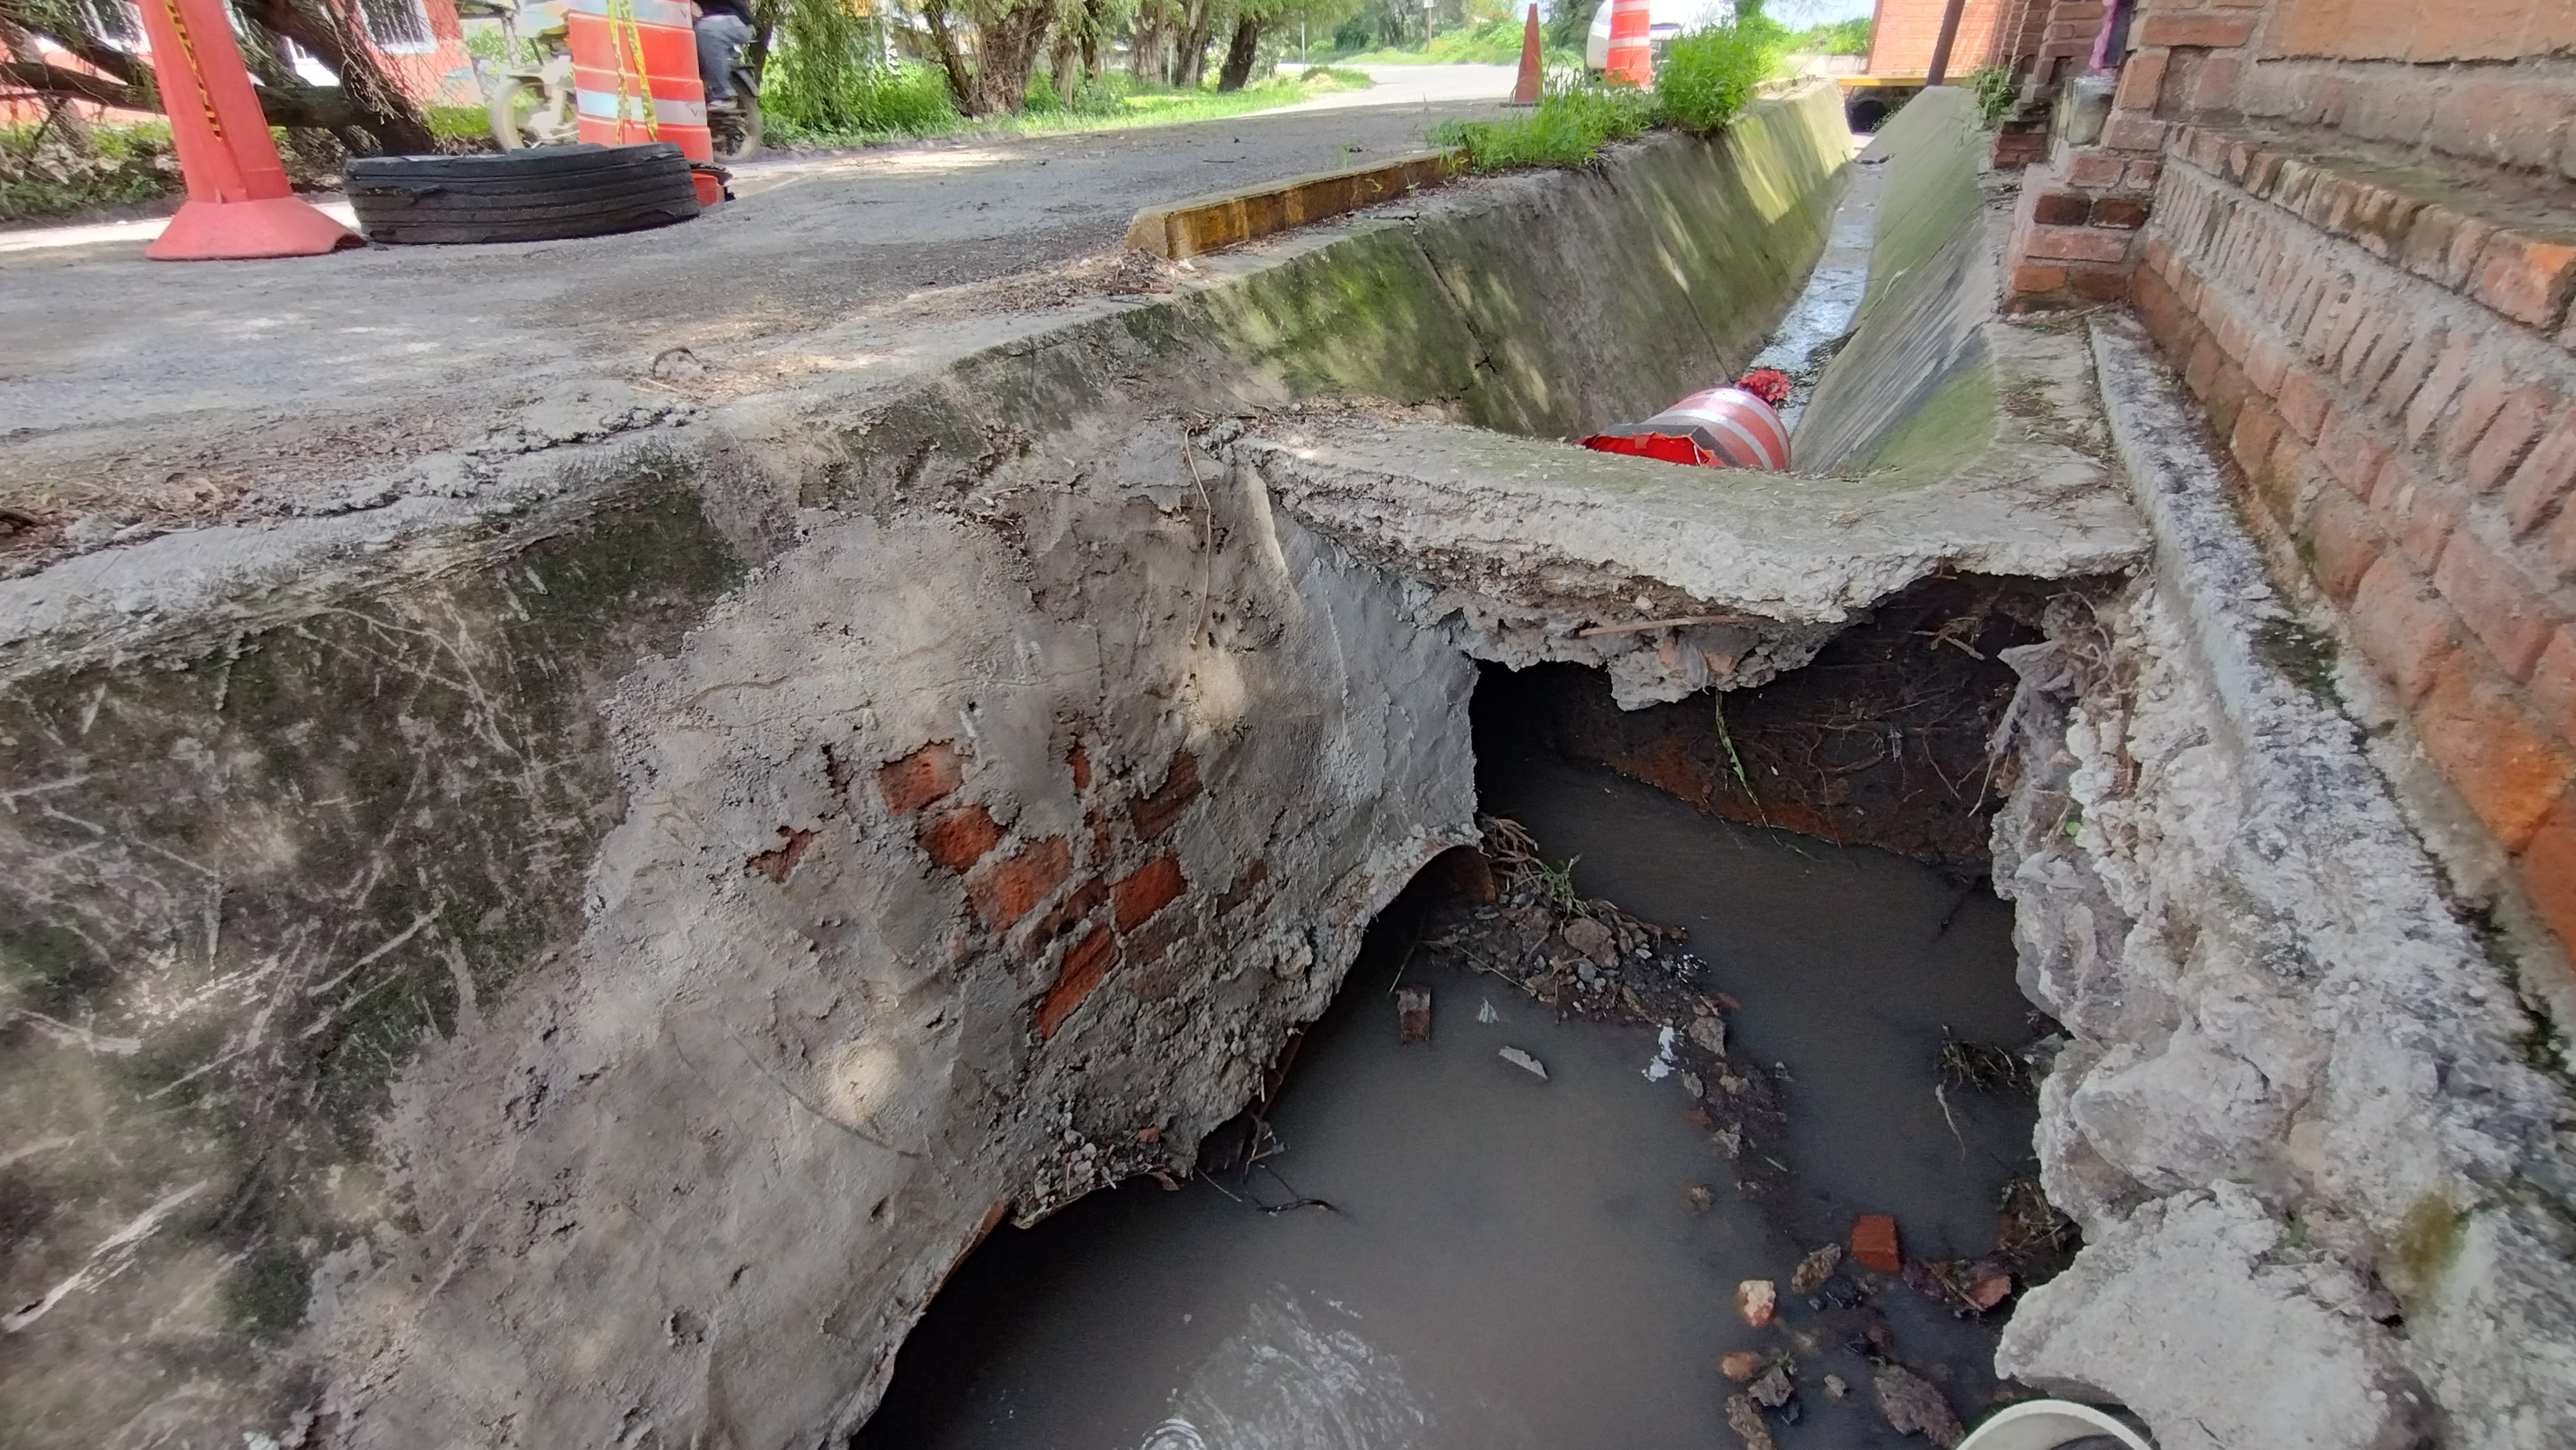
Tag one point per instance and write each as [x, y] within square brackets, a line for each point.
[528, 95]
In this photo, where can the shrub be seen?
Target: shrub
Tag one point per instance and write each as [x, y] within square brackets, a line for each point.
[1838, 37]
[42, 174]
[1709, 74]
[905, 100]
[1572, 121]
[1995, 89]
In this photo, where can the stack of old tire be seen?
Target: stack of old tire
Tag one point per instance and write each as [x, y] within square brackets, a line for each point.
[532, 195]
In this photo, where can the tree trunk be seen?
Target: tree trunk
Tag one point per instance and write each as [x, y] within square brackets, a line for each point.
[1061, 69]
[1092, 65]
[1190, 65]
[1145, 41]
[961, 82]
[1239, 54]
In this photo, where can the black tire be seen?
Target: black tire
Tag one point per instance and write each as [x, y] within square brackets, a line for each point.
[531, 195]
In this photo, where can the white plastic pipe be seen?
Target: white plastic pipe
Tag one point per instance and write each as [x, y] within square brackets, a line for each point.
[2047, 1424]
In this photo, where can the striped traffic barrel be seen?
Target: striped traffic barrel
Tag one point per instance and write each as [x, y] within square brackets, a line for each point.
[1724, 427]
[1631, 56]
[635, 78]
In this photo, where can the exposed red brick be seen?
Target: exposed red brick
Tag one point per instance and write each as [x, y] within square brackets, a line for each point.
[1874, 1244]
[2170, 28]
[2038, 278]
[2119, 211]
[776, 864]
[1243, 888]
[2402, 629]
[2059, 209]
[2142, 77]
[2349, 452]
[1086, 965]
[921, 777]
[2142, 174]
[2516, 427]
[2417, 514]
[1075, 907]
[2266, 363]
[2302, 402]
[2207, 357]
[1004, 891]
[1154, 814]
[2548, 870]
[1079, 761]
[2342, 542]
[2157, 307]
[959, 839]
[1146, 890]
[2098, 284]
[2076, 244]
[2553, 683]
[2542, 484]
[2492, 596]
[2504, 763]
[2094, 168]
[2488, 390]
[2526, 278]
[2440, 386]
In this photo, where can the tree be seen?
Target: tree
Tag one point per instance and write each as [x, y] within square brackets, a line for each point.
[365, 110]
[1009, 35]
[1255, 18]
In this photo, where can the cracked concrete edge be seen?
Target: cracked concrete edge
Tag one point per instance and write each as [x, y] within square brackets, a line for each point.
[1228, 218]
[2283, 1035]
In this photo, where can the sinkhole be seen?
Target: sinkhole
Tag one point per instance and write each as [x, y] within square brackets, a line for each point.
[1429, 1244]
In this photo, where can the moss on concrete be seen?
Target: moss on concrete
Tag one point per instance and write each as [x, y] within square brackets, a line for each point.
[263, 874]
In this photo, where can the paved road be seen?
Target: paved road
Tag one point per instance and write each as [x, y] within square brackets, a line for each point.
[122, 372]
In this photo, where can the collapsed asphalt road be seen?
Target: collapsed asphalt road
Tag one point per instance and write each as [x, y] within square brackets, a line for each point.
[125, 377]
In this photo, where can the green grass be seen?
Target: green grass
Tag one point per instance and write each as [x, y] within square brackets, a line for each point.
[459, 121]
[1840, 37]
[1493, 42]
[916, 104]
[1573, 120]
[1707, 75]
[125, 166]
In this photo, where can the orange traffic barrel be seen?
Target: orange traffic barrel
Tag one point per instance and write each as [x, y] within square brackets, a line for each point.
[1631, 55]
[1728, 427]
[635, 78]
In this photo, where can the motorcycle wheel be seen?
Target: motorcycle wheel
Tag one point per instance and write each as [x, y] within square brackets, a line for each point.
[508, 109]
[736, 134]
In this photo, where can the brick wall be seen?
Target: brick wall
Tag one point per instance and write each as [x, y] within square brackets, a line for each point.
[1903, 33]
[2392, 369]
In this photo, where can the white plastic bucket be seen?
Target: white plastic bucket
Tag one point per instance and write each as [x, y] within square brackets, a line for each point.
[2047, 1424]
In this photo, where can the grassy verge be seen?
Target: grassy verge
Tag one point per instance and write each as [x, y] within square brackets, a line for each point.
[915, 103]
[1495, 42]
[1705, 79]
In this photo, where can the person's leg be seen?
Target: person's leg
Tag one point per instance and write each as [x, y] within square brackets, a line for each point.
[718, 35]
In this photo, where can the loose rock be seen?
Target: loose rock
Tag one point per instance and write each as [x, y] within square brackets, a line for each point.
[1915, 1406]
[1593, 940]
[1747, 1423]
[1757, 1301]
[1835, 1387]
[1698, 1197]
[1740, 1365]
[1772, 1390]
[1815, 1269]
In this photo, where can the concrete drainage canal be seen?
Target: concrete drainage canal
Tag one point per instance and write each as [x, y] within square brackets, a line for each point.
[886, 906]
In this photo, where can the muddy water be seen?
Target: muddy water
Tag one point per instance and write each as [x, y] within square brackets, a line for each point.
[1512, 1262]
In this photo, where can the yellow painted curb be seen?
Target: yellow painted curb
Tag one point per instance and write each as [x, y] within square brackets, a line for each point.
[1206, 223]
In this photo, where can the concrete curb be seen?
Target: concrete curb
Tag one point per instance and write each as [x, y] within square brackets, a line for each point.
[1208, 223]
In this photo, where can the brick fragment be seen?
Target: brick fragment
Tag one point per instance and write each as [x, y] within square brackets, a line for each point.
[1146, 890]
[2038, 278]
[2124, 212]
[1004, 891]
[2216, 31]
[2098, 284]
[1073, 910]
[923, 776]
[1086, 965]
[2503, 762]
[959, 838]
[1874, 1244]
[1078, 760]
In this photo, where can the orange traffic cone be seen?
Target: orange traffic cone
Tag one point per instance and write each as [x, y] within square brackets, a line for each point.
[239, 204]
[1632, 57]
[1525, 89]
